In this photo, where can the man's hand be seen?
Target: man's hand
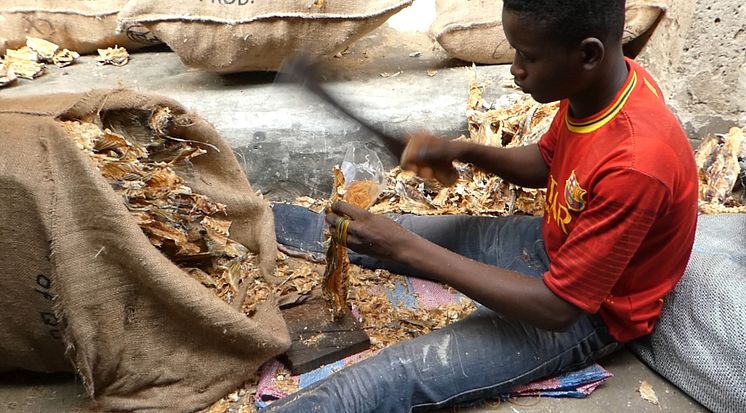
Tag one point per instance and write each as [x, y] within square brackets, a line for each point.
[430, 157]
[370, 234]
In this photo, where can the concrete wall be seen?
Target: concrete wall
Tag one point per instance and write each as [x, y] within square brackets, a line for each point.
[698, 56]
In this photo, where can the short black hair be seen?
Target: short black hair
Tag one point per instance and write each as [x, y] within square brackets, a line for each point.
[574, 20]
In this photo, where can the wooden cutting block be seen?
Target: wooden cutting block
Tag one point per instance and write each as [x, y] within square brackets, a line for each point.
[318, 339]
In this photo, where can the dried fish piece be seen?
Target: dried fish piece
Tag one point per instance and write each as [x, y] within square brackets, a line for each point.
[216, 233]
[44, 49]
[160, 120]
[48, 52]
[220, 406]
[387, 74]
[337, 261]
[719, 169]
[6, 76]
[315, 205]
[110, 141]
[121, 170]
[83, 133]
[647, 393]
[25, 69]
[474, 100]
[65, 57]
[117, 56]
[28, 61]
[24, 63]
[708, 208]
[24, 53]
[161, 179]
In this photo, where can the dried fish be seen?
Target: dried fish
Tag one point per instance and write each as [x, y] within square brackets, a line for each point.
[337, 260]
[475, 101]
[387, 74]
[201, 276]
[315, 205]
[28, 61]
[23, 63]
[161, 120]
[24, 53]
[44, 49]
[719, 160]
[216, 233]
[220, 406]
[65, 57]
[117, 56]
[647, 393]
[6, 76]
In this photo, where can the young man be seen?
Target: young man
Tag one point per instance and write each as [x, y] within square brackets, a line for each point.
[556, 292]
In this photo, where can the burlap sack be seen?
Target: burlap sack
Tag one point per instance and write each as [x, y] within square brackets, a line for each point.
[641, 15]
[243, 35]
[79, 280]
[79, 25]
[472, 30]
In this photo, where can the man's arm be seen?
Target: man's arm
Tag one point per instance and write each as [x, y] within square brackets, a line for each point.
[513, 294]
[510, 293]
[431, 157]
[523, 165]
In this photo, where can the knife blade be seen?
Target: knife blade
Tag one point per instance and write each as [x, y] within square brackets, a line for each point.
[304, 71]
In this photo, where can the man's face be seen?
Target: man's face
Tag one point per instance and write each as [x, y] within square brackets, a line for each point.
[543, 67]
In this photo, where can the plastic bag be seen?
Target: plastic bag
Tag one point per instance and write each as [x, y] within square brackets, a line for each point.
[364, 176]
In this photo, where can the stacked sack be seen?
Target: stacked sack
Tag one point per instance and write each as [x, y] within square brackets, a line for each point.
[472, 30]
[80, 25]
[243, 35]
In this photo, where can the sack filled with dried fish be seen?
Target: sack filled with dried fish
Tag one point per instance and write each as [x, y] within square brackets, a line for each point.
[98, 194]
[473, 31]
[80, 25]
[243, 35]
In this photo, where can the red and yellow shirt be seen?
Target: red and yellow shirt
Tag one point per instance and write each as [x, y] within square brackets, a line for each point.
[621, 207]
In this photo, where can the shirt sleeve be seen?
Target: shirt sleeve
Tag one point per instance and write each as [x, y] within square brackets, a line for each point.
[606, 237]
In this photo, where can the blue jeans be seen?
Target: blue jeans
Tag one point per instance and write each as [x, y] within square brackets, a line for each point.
[479, 357]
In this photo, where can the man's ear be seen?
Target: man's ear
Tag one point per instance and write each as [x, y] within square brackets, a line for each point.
[592, 52]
